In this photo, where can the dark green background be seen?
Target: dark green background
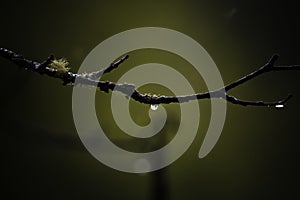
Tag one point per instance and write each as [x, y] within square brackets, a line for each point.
[257, 153]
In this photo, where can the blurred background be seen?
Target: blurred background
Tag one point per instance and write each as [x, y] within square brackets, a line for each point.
[256, 155]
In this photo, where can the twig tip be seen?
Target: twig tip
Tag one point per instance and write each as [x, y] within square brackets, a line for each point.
[273, 59]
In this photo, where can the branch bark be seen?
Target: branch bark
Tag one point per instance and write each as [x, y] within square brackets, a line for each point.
[130, 90]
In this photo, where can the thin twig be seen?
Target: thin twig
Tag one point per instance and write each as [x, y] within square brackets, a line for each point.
[96, 75]
[130, 89]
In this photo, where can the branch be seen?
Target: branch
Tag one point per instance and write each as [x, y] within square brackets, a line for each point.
[58, 69]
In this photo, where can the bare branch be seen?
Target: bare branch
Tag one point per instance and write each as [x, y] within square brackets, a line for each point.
[276, 104]
[96, 75]
[130, 90]
[252, 75]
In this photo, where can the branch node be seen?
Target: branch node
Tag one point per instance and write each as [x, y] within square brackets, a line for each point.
[42, 66]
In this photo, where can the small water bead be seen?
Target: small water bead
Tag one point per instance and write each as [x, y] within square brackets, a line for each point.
[154, 106]
[279, 106]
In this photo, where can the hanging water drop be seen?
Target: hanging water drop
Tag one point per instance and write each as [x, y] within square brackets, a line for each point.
[279, 106]
[154, 106]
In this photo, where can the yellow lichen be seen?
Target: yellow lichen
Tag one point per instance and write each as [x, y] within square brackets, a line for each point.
[60, 65]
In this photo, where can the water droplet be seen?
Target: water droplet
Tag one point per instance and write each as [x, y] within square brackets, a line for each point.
[279, 106]
[154, 107]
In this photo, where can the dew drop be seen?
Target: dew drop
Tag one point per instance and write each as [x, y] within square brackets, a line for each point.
[279, 106]
[154, 107]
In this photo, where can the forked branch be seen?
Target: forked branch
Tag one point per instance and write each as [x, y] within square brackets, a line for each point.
[58, 69]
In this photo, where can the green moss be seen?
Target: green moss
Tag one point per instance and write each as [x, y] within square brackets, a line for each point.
[60, 65]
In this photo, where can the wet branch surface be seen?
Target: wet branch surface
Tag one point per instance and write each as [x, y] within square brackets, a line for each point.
[92, 79]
